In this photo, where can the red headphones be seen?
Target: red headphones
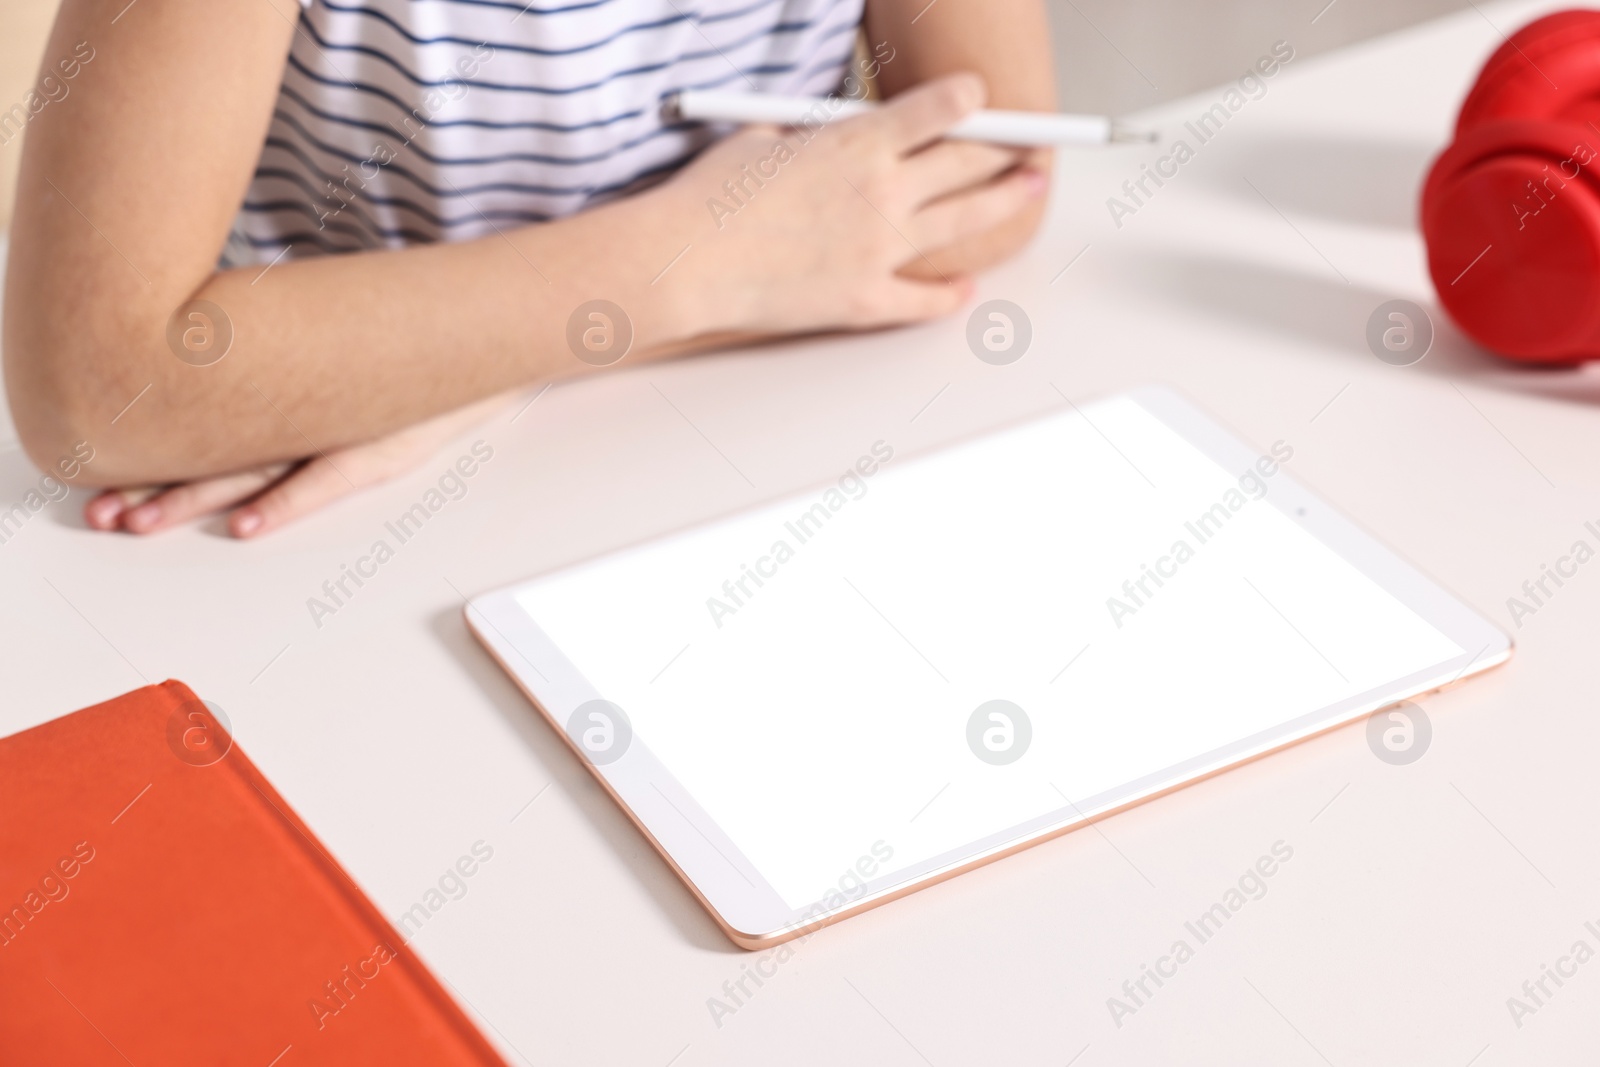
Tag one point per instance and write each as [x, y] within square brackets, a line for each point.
[1511, 209]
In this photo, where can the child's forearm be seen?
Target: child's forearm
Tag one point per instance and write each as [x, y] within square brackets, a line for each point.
[333, 350]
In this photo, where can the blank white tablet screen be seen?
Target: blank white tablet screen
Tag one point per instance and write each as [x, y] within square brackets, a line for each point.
[826, 709]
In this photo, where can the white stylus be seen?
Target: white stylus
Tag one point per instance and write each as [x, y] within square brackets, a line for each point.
[995, 127]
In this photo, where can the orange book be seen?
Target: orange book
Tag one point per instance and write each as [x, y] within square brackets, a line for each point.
[160, 904]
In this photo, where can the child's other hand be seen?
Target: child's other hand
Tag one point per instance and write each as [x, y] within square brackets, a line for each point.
[827, 231]
[264, 499]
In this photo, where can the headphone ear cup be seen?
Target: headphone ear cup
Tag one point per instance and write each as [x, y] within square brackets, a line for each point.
[1511, 217]
[1549, 69]
[1534, 37]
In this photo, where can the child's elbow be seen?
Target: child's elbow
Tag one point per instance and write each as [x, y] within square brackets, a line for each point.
[52, 429]
[67, 405]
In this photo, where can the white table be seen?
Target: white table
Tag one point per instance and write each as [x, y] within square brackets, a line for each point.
[1419, 898]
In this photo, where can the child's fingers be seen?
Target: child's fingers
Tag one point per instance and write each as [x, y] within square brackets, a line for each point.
[194, 499]
[949, 220]
[948, 166]
[917, 301]
[306, 489]
[920, 115]
[105, 510]
[326, 478]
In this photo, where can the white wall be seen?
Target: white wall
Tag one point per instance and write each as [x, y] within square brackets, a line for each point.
[1119, 55]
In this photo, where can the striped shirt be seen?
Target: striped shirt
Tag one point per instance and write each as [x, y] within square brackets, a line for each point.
[410, 121]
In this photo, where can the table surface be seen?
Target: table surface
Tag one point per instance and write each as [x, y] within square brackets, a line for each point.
[1419, 897]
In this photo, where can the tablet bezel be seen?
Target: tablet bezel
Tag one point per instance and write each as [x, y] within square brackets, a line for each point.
[751, 912]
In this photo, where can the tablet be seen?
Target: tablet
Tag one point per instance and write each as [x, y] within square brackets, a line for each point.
[823, 703]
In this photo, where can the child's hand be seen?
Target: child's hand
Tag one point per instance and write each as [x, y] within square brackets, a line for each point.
[262, 500]
[821, 241]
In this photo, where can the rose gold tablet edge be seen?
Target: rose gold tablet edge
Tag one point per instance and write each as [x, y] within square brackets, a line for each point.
[736, 936]
[756, 942]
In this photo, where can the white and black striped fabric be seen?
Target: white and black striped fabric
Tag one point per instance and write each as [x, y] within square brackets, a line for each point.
[408, 121]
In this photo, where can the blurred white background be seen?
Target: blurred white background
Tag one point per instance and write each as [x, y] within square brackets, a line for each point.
[1120, 55]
